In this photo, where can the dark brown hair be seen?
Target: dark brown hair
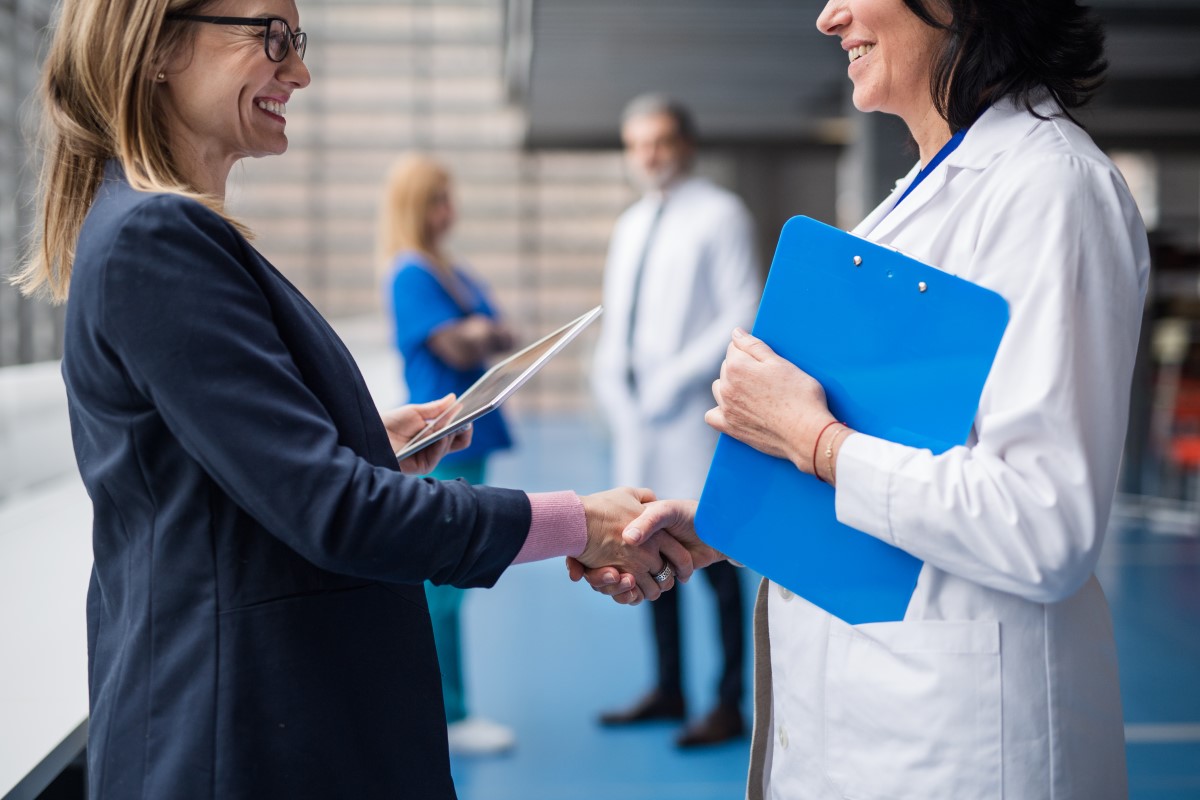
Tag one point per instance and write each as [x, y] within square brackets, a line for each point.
[1015, 49]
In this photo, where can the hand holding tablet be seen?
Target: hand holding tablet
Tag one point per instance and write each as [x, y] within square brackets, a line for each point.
[497, 384]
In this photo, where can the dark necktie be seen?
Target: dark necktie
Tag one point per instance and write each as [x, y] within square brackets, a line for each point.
[630, 377]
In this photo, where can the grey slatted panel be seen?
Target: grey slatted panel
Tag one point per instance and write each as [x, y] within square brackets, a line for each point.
[29, 330]
[750, 70]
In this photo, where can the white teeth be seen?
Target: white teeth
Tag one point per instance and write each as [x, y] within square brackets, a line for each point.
[273, 107]
[856, 53]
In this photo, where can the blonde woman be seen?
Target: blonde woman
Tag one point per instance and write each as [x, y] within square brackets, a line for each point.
[257, 626]
[446, 327]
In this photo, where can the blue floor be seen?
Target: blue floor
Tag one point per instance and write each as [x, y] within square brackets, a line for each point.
[545, 656]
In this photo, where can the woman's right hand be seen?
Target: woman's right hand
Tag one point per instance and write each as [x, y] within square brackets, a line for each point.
[669, 522]
[769, 403]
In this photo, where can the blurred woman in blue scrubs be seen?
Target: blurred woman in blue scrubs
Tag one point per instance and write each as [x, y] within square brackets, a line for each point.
[446, 329]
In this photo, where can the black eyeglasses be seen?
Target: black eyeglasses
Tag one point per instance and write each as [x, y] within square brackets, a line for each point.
[277, 34]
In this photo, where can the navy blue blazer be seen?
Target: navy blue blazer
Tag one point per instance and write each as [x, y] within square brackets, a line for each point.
[257, 626]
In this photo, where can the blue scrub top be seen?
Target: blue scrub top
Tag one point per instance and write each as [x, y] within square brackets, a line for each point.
[421, 305]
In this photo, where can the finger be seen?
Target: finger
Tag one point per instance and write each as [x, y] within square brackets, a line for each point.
[715, 418]
[752, 346]
[575, 570]
[624, 584]
[679, 556]
[630, 598]
[669, 583]
[738, 363]
[716, 389]
[426, 459]
[649, 586]
[462, 439]
[602, 576]
[644, 495]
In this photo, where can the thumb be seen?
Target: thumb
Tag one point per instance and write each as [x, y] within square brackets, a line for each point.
[644, 495]
[433, 408]
[654, 517]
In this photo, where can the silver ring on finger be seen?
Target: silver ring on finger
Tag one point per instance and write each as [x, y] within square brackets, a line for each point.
[664, 575]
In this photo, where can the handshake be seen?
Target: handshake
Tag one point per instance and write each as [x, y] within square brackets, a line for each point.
[637, 546]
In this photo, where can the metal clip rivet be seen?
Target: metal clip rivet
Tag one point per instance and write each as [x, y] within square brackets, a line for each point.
[922, 286]
[858, 261]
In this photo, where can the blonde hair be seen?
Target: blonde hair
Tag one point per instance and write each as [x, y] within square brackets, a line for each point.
[412, 184]
[99, 101]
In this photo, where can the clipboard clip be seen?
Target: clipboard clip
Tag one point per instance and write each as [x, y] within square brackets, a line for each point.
[922, 286]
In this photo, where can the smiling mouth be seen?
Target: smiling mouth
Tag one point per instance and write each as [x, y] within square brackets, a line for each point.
[856, 53]
[279, 109]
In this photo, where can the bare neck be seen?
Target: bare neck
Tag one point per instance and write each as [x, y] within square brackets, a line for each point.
[930, 132]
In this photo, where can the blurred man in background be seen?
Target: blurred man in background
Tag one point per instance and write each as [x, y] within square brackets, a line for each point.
[682, 272]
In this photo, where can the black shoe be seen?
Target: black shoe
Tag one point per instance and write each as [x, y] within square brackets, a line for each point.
[654, 706]
[724, 723]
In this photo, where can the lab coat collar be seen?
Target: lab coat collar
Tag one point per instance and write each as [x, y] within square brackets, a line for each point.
[999, 129]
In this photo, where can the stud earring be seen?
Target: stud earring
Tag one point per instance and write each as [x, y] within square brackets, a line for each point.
[160, 77]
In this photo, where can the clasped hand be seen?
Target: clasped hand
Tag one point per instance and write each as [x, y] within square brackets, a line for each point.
[631, 537]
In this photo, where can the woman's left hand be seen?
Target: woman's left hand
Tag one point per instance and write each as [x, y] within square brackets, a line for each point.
[405, 422]
[767, 402]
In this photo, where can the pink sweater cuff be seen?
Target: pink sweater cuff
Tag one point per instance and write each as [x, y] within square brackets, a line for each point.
[558, 527]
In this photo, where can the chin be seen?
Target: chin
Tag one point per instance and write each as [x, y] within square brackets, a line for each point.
[864, 102]
[273, 149]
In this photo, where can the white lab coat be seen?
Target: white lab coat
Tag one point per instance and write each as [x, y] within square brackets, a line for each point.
[1001, 681]
[701, 280]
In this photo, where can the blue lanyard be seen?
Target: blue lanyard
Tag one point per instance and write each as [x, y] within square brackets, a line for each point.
[948, 148]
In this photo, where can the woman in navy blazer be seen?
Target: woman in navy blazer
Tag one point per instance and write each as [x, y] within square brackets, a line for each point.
[256, 620]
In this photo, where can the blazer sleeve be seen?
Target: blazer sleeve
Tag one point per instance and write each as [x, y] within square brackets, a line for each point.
[198, 339]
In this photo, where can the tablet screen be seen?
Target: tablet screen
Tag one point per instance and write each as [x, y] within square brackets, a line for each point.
[497, 384]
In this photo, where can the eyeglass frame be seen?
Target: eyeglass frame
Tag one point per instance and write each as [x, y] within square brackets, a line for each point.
[293, 40]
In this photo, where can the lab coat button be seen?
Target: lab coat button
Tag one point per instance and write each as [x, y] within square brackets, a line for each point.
[783, 739]
[785, 593]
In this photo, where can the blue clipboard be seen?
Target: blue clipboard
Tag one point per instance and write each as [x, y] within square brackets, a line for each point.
[903, 350]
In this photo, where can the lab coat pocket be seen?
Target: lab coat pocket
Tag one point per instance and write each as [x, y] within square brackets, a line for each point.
[912, 710]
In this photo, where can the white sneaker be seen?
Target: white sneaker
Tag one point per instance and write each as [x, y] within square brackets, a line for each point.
[476, 736]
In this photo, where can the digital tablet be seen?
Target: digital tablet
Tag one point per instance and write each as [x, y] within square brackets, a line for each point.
[495, 386]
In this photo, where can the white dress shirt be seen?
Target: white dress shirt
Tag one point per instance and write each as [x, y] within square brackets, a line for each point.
[1001, 681]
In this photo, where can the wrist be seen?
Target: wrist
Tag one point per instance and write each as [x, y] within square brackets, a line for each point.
[557, 527]
[833, 446]
[591, 509]
[815, 437]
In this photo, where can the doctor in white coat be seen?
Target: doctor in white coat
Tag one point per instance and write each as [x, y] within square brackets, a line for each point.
[682, 272]
[1001, 680]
